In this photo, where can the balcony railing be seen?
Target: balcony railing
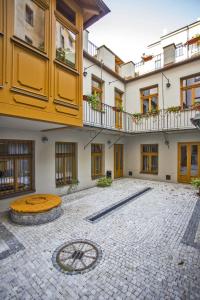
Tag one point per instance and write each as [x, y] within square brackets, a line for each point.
[109, 118]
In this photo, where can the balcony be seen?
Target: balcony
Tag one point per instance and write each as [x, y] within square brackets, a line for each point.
[156, 62]
[109, 118]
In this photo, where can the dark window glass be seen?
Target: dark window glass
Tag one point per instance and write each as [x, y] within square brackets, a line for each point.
[29, 15]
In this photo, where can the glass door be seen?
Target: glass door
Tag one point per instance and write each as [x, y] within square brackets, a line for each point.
[188, 161]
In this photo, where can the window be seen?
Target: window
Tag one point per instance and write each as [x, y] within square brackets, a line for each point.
[97, 89]
[97, 160]
[29, 23]
[179, 50]
[66, 11]
[149, 159]
[65, 45]
[190, 89]
[158, 62]
[65, 163]
[29, 15]
[16, 167]
[149, 99]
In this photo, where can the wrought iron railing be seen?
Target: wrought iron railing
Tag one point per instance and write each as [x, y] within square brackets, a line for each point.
[109, 117]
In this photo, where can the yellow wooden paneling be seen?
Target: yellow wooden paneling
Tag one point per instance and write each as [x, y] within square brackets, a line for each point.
[1, 60]
[30, 71]
[38, 87]
[66, 86]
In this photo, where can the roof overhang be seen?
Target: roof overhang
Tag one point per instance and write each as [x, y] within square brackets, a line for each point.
[93, 10]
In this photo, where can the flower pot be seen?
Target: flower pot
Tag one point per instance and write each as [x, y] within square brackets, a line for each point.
[192, 40]
[85, 97]
[147, 58]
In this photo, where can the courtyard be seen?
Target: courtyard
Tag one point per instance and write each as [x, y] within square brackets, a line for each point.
[149, 248]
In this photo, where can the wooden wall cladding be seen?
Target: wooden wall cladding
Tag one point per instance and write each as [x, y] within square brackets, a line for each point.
[1, 60]
[66, 87]
[30, 72]
[1, 41]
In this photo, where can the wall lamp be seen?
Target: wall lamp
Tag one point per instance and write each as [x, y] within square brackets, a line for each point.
[168, 84]
[44, 139]
[112, 81]
[85, 72]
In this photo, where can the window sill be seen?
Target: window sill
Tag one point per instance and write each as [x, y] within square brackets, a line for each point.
[17, 194]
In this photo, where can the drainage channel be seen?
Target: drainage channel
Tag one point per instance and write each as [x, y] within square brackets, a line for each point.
[102, 213]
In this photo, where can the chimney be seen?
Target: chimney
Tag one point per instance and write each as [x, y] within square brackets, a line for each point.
[128, 70]
[169, 54]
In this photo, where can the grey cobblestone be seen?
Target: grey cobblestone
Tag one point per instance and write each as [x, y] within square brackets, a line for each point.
[144, 256]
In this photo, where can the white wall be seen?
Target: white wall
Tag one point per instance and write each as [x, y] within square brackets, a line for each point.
[108, 94]
[167, 157]
[45, 157]
[171, 95]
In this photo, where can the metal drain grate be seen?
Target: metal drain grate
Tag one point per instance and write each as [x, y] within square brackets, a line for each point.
[100, 214]
[76, 257]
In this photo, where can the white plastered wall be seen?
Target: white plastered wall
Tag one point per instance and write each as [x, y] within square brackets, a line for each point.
[45, 156]
[167, 158]
[108, 89]
[171, 95]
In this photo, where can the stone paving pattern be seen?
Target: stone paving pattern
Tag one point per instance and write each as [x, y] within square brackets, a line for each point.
[143, 256]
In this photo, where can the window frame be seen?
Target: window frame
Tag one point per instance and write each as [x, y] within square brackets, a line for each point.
[95, 89]
[149, 97]
[149, 155]
[75, 30]
[64, 156]
[186, 88]
[15, 158]
[95, 155]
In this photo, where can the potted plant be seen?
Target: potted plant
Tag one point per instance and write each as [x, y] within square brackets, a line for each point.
[85, 97]
[118, 108]
[94, 101]
[104, 182]
[154, 112]
[137, 117]
[73, 186]
[146, 58]
[195, 39]
[196, 183]
[173, 109]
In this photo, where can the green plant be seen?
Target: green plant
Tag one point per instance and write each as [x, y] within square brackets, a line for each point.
[137, 116]
[174, 109]
[196, 183]
[94, 101]
[104, 182]
[73, 186]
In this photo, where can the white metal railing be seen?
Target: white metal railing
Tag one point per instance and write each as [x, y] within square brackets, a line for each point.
[107, 117]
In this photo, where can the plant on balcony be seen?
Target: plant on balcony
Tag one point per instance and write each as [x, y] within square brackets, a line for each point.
[196, 106]
[104, 182]
[173, 109]
[118, 108]
[195, 39]
[154, 112]
[146, 58]
[94, 101]
[196, 183]
[137, 117]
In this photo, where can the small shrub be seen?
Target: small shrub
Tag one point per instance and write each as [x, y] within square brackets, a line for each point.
[196, 183]
[104, 182]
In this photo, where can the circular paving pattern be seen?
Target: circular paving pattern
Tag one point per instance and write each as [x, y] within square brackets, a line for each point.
[76, 257]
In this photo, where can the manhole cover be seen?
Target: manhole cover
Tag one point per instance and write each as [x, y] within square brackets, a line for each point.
[76, 257]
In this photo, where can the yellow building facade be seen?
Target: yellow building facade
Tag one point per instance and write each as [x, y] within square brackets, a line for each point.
[41, 58]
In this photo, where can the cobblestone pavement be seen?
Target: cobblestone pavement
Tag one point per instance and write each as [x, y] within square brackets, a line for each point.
[150, 247]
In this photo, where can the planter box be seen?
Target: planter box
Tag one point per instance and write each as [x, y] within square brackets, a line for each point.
[193, 41]
[147, 58]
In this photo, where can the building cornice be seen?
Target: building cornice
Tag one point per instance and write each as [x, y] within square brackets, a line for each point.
[168, 67]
